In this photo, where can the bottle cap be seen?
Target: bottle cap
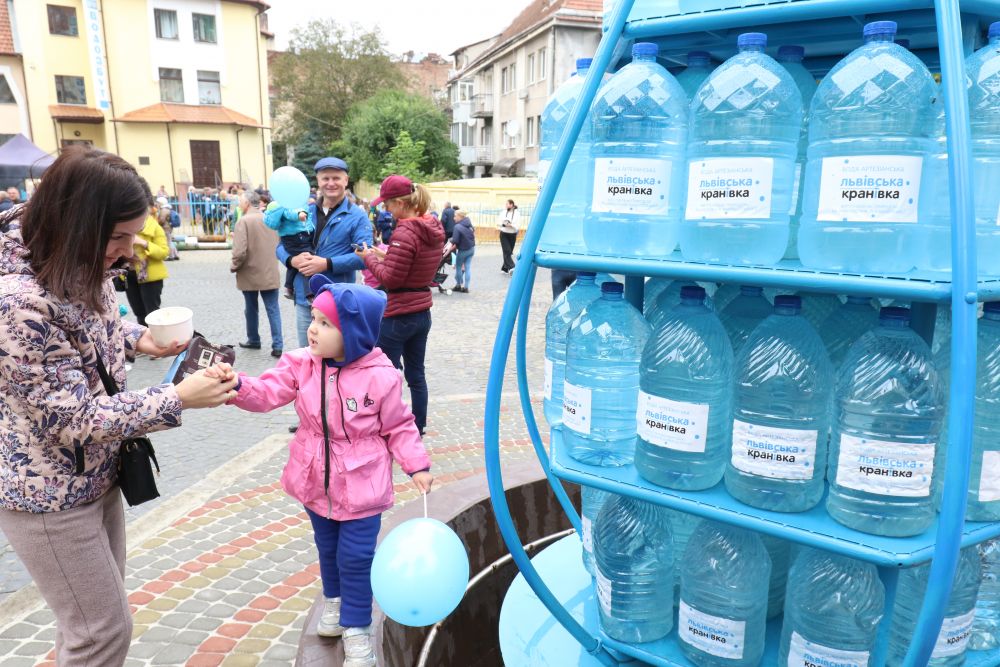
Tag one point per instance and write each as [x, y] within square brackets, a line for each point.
[583, 63]
[586, 274]
[994, 30]
[880, 28]
[791, 51]
[699, 57]
[751, 290]
[645, 49]
[793, 301]
[692, 292]
[611, 287]
[751, 39]
[894, 314]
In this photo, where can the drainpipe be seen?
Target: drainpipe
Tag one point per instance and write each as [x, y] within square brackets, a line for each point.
[173, 174]
[107, 63]
[260, 97]
[239, 157]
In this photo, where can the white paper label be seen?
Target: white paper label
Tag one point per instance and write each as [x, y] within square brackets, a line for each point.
[603, 591]
[672, 424]
[954, 635]
[576, 408]
[543, 172]
[548, 379]
[870, 188]
[804, 653]
[588, 534]
[796, 187]
[722, 637]
[639, 186]
[989, 480]
[780, 453]
[885, 468]
[729, 188]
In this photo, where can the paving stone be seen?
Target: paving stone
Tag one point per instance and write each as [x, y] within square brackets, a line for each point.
[281, 654]
[228, 584]
[193, 606]
[46, 634]
[239, 600]
[209, 595]
[219, 610]
[7, 646]
[244, 574]
[42, 617]
[205, 623]
[145, 650]
[255, 586]
[177, 620]
[19, 631]
[174, 654]
[272, 576]
[160, 633]
[191, 637]
[19, 662]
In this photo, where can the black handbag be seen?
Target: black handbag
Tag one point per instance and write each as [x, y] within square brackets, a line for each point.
[136, 457]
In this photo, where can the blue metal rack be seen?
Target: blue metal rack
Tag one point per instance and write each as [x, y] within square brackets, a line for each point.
[832, 26]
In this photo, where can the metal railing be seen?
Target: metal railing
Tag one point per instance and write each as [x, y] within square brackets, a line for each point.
[484, 154]
[205, 217]
[482, 104]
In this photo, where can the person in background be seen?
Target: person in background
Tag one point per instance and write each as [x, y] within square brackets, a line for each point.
[14, 195]
[144, 286]
[561, 280]
[5, 203]
[162, 192]
[256, 272]
[448, 219]
[385, 224]
[510, 222]
[463, 243]
[165, 218]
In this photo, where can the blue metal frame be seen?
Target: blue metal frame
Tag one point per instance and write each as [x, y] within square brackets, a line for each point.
[963, 292]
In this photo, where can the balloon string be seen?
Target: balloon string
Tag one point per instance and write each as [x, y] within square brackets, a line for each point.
[425, 504]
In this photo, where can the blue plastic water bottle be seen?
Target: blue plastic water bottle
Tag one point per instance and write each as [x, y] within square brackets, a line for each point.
[682, 525]
[561, 314]
[832, 610]
[698, 69]
[885, 463]
[984, 478]
[936, 222]
[845, 325]
[634, 552]
[603, 350]
[723, 608]
[870, 134]
[725, 294]
[744, 133]
[651, 290]
[791, 57]
[959, 614]
[781, 411]
[982, 70]
[591, 502]
[986, 628]
[639, 123]
[743, 314]
[780, 552]
[563, 231]
[685, 397]
[668, 297]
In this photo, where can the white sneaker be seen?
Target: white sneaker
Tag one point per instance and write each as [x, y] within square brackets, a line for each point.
[359, 651]
[329, 622]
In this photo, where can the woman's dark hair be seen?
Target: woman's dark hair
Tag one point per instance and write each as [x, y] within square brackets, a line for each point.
[511, 202]
[69, 220]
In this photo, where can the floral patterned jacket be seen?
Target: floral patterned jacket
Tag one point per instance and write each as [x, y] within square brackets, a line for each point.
[52, 402]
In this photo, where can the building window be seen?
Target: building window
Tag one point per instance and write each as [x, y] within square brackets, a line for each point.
[204, 28]
[6, 94]
[513, 77]
[465, 91]
[506, 140]
[209, 90]
[166, 23]
[541, 65]
[531, 68]
[171, 85]
[70, 90]
[529, 132]
[504, 81]
[62, 21]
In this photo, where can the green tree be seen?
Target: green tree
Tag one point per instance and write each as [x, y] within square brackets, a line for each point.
[375, 126]
[405, 158]
[310, 147]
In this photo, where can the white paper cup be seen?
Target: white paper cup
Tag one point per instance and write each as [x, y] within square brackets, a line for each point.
[167, 325]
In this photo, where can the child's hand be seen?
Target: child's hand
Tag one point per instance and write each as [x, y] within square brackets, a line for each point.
[423, 480]
[302, 216]
[222, 372]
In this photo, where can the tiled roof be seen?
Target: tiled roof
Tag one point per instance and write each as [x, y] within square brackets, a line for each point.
[72, 113]
[6, 32]
[188, 113]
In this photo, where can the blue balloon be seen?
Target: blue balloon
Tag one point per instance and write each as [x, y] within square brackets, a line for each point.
[289, 187]
[420, 572]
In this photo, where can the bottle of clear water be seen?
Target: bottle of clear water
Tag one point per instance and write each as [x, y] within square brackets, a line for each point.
[725, 294]
[742, 145]
[651, 290]
[634, 553]
[639, 124]
[870, 134]
[743, 314]
[982, 70]
[561, 314]
[685, 397]
[603, 350]
[722, 612]
[816, 307]
[885, 462]
[698, 69]
[984, 478]
[781, 411]
[656, 285]
[591, 502]
[780, 552]
[959, 614]
[986, 627]
[682, 525]
[791, 56]
[832, 611]
[563, 231]
[845, 325]
[936, 224]
[669, 298]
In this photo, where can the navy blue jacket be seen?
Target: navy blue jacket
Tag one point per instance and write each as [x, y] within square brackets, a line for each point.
[464, 236]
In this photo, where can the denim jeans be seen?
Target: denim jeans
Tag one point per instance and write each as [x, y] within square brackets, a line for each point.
[270, 299]
[404, 340]
[303, 318]
[463, 267]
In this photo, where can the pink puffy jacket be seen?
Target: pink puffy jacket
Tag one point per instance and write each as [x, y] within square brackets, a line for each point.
[368, 422]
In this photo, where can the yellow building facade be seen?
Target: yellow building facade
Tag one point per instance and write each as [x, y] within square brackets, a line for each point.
[176, 87]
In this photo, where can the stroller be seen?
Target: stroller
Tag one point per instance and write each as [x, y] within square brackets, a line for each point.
[442, 273]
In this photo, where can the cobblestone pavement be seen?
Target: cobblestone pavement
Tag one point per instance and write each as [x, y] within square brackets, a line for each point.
[222, 568]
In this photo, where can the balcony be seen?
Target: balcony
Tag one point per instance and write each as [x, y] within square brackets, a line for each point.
[482, 105]
[484, 155]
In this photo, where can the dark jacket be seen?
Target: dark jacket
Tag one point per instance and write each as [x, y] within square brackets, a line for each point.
[464, 236]
[448, 221]
[385, 223]
[409, 265]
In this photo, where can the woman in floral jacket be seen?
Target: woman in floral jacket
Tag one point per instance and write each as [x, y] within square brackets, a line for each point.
[59, 431]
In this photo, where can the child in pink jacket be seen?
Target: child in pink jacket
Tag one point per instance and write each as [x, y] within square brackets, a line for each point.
[340, 461]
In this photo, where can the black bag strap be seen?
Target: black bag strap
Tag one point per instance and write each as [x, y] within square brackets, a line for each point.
[111, 387]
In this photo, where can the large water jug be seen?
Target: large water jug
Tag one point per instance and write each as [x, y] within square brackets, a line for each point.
[936, 218]
[781, 411]
[986, 627]
[780, 552]
[832, 610]
[563, 230]
[982, 71]
[725, 294]
[743, 314]
[791, 57]
[652, 289]
[698, 69]
[723, 607]
[601, 389]
[682, 525]
[634, 551]
[959, 614]
[561, 314]
[885, 463]
[591, 501]
[668, 296]
[685, 397]
[845, 325]
[639, 123]
[741, 160]
[870, 133]
[984, 479]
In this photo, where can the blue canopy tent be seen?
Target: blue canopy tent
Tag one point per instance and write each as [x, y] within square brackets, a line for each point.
[21, 160]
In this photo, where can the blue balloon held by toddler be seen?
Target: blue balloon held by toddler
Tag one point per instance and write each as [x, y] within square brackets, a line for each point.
[289, 187]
